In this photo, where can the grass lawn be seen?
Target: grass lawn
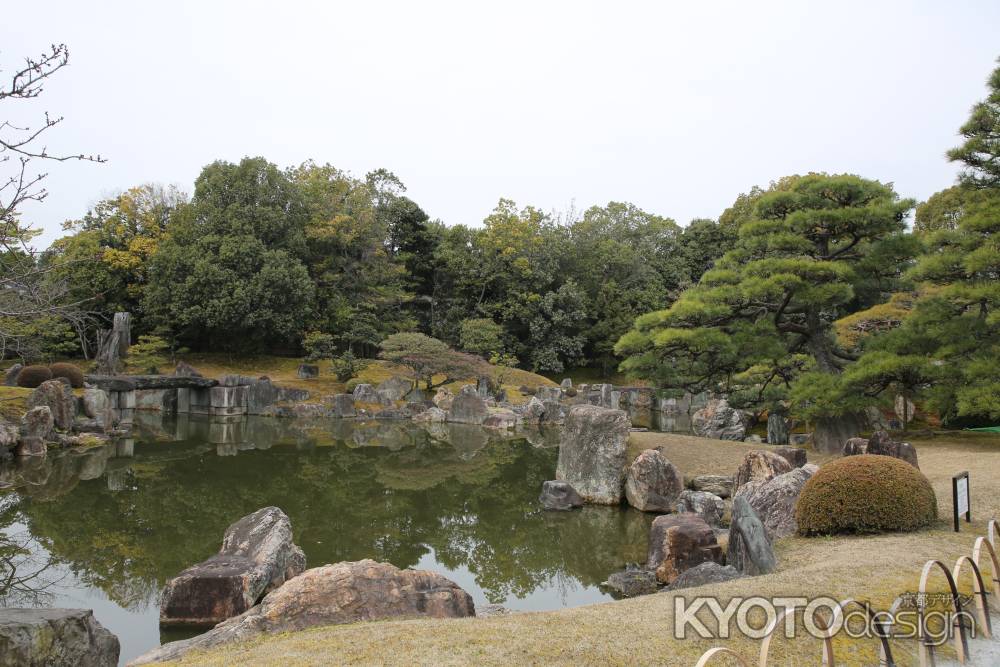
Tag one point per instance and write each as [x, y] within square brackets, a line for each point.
[639, 631]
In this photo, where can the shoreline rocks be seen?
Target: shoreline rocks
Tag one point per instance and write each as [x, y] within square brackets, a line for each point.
[44, 637]
[257, 556]
[678, 542]
[652, 483]
[346, 592]
[559, 496]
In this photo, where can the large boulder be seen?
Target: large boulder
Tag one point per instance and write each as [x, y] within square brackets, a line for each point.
[774, 500]
[559, 496]
[96, 405]
[365, 393]
[652, 483]
[395, 388]
[759, 465]
[678, 542]
[720, 421]
[468, 407]
[333, 595]
[55, 638]
[749, 550]
[592, 449]
[433, 415]
[257, 556]
[832, 433]
[58, 396]
[341, 406]
[443, 398]
[36, 429]
[777, 429]
[705, 573]
[708, 506]
[720, 485]
[554, 413]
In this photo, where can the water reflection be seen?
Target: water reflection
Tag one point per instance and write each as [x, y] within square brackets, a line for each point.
[459, 499]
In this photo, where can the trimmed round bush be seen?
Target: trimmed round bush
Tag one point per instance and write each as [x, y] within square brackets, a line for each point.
[71, 372]
[351, 384]
[32, 376]
[865, 494]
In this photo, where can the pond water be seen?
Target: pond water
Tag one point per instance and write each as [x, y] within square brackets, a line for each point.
[108, 526]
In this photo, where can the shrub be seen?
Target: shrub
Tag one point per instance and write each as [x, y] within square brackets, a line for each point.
[32, 376]
[71, 372]
[347, 366]
[865, 494]
[351, 384]
[318, 346]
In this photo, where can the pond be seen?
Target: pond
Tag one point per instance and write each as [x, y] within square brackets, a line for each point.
[107, 527]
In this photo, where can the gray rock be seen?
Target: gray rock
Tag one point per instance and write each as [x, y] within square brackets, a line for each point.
[307, 371]
[184, 369]
[883, 445]
[432, 415]
[500, 418]
[632, 582]
[10, 377]
[257, 556]
[37, 423]
[545, 394]
[799, 439]
[750, 550]
[532, 411]
[555, 412]
[483, 385]
[567, 383]
[708, 506]
[96, 404]
[652, 483]
[341, 406]
[468, 407]
[334, 595]
[856, 447]
[777, 429]
[395, 388]
[774, 500]
[832, 433]
[365, 393]
[55, 638]
[904, 409]
[796, 456]
[718, 420]
[592, 449]
[720, 485]
[705, 573]
[559, 496]
[9, 435]
[58, 396]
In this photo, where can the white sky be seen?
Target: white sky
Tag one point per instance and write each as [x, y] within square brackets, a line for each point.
[676, 107]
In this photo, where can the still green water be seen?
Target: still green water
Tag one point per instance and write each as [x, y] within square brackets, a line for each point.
[112, 524]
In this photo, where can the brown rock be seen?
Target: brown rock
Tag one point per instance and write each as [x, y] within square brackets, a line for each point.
[678, 542]
[333, 595]
[759, 465]
[796, 456]
[58, 396]
[652, 483]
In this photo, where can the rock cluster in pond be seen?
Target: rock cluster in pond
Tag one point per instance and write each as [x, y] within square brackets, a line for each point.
[257, 556]
[55, 637]
[881, 443]
[720, 421]
[592, 451]
[333, 594]
[559, 496]
[57, 395]
[678, 542]
[652, 483]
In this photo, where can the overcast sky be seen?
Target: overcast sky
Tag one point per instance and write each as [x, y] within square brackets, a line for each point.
[676, 107]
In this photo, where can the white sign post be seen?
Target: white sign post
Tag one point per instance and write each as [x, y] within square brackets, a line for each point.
[960, 497]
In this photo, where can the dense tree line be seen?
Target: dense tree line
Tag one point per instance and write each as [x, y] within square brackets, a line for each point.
[260, 258]
[826, 304]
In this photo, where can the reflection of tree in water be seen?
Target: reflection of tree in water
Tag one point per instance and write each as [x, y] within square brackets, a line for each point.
[474, 504]
[25, 575]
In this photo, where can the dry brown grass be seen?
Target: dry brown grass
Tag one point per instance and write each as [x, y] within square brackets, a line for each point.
[639, 631]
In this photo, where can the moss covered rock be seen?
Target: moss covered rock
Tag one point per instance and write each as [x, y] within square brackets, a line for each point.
[865, 494]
